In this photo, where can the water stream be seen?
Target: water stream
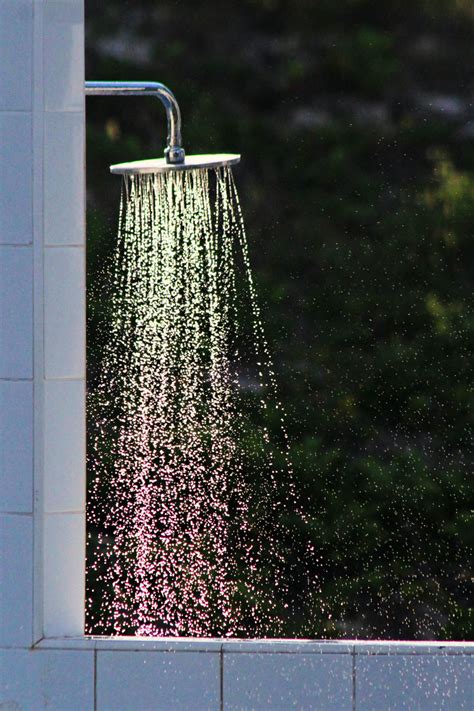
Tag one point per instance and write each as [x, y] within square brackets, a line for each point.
[191, 500]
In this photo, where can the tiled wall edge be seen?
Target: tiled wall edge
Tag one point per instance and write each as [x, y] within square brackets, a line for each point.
[258, 647]
[64, 313]
[93, 675]
[38, 316]
[40, 114]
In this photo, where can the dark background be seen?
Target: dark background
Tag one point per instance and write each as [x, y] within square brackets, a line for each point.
[355, 120]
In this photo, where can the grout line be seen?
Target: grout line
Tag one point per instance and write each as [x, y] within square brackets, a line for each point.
[353, 680]
[19, 245]
[25, 648]
[16, 380]
[36, 627]
[95, 680]
[221, 675]
[65, 379]
[65, 246]
[64, 111]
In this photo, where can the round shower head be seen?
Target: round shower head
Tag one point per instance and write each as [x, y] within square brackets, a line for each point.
[160, 165]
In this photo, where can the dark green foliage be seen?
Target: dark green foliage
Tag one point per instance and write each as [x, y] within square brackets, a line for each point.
[357, 185]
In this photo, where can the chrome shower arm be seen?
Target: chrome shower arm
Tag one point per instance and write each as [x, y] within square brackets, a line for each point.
[174, 152]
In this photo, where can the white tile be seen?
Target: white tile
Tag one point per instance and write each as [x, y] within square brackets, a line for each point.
[64, 445]
[16, 446]
[414, 683]
[16, 312]
[16, 49]
[159, 644]
[64, 574]
[309, 682]
[46, 679]
[64, 55]
[133, 644]
[64, 204]
[64, 314]
[158, 681]
[400, 647]
[16, 179]
[16, 580]
[292, 646]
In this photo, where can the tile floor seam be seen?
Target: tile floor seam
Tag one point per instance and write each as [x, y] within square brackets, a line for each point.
[353, 679]
[221, 677]
[95, 680]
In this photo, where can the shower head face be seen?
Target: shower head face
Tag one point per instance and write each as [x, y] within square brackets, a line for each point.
[159, 165]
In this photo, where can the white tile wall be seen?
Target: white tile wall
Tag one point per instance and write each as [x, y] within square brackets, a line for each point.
[64, 445]
[50, 679]
[309, 682]
[64, 553]
[16, 153]
[16, 580]
[158, 681]
[16, 312]
[16, 446]
[16, 49]
[64, 679]
[64, 55]
[64, 178]
[64, 288]
[414, 683]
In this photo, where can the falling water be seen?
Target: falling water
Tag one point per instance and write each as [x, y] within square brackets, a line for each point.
[190, 489]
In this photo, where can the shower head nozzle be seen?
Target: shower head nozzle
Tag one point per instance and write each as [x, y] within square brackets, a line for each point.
[160, 165]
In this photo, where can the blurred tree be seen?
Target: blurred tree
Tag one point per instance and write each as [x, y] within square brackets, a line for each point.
[356, 126]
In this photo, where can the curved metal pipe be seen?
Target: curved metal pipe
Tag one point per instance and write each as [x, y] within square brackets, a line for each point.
[174, 152]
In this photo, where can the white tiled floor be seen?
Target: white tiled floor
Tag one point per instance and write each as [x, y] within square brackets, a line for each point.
[53, 680]
[64, 445]
[158, 681]
[16, 580]
[16, 51]
[16, 151]
[64, 178]
[16, 312]
[16, 446]
[64, 312]
[277, 682]
[414, 683]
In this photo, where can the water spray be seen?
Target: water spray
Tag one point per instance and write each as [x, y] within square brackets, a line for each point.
[191, 494]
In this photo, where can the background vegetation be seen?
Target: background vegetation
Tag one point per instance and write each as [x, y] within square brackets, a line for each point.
[356, 124]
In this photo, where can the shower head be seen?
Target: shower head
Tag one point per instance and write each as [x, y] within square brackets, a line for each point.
[175, 158]
[160, 165]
